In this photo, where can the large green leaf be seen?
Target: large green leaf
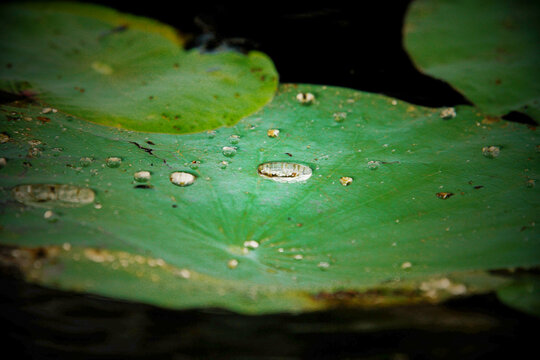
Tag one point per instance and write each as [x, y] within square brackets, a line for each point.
[431, 199]
[124, 71]
[488, 50]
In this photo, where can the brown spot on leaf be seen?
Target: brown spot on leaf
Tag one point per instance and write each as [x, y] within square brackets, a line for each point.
[444, 195]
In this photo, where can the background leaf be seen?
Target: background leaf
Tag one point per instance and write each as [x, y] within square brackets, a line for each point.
[488, 50]
[125, 71]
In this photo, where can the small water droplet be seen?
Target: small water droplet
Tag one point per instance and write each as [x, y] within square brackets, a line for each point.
[531, 183]
[48, 214]
[43, 195]
[223, 164]
[373, 165]
[113, 161]
[251, 244]
[448, 113]
[3, 162]
[284, 172]
[305, 98]
[183, 273]
[298, 257]
[234, 139]
[34, 152]
[491, 151]
[194, 164]
[181, 178]
[406, 265]
[232, 264]
[4, 138]
[142, 176]
[272, 133]
[85, 161]
[102, 68]
[46, 110]
[323, 265]
[34, 142]
[229, 151]
[211, 134]
[340, 116]
[346, 180]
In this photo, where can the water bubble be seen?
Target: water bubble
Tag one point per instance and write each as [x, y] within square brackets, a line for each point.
[229, 151]
[182, 178]
[373, 165]
[340, 116]
[211, 134]
[232, 264]
[346, 180]
[251, 244]
[406, 265]
[113, 161]
[305, 98]
[284, 172]
[142, 176]
[323, 265]
[491, 151]
[4, 138]
[44, 195]
[448, 113]
[234, 139]
[272, 133]
[223, 164]
[85, 161]
[194, 164]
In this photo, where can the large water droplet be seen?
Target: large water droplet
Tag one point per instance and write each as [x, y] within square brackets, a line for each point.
[229, 151]
[284, 172]
[45, 195]
[491, 151]
[114, 161]
[251, 244]
[448, 113]
[142, 176]
[305, 98]
[181, 178]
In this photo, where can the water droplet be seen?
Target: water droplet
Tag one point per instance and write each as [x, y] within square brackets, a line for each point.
[44, 195]
[298, 257]
[113, 161]
[346, 181]
[34, 152]
[323, 265]
[34, 142]
[142, 176]
[305, 98]
[182, 178]
[272, 133]
[491, 151]
[448, 113]
[46, 110]
[406, 265]
[444, 195]
[251, 244]
[85, 161]
[284, 172]
[194, 164]
[4, 138]
[373, 165]
[531, 183]
[183, 273]
[234, 139]
[232, 264]
[223, 164]
[229, 151]
[211, 134]
[340, 116]
[3, 162]
[48, 214]
[102, 68]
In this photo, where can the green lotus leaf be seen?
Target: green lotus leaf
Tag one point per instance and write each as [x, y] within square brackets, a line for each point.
[487, 50]
[124, 71]
[358, 199]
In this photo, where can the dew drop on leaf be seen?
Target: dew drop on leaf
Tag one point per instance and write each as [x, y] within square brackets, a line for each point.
[85, 161]
[232, 264]
[373, 165]
[272, 133]
[43, 195]
[142, 176]
[229, 151]
[181, 178]
[234, 139]
[305, 98]
[346, 180]
[113, 161]
[251, 244]
[285, 172]
[491, 151]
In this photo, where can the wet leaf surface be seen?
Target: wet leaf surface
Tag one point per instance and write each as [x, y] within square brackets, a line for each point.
[385, 238]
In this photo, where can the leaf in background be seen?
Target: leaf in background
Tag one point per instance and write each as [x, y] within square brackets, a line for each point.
[487, 50]
[431, 199]
[125, 71]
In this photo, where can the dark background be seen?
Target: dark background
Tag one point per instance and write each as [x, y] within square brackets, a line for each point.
[357, 46]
